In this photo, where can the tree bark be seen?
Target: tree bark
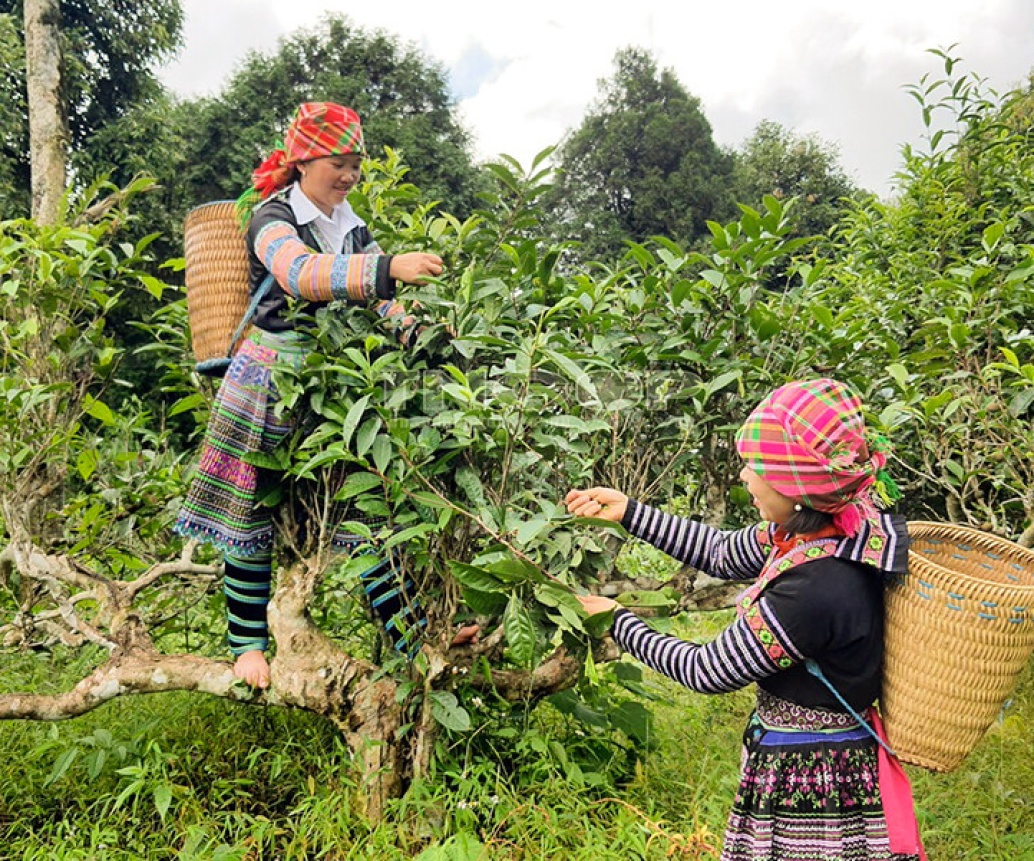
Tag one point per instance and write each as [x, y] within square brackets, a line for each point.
[48, 128]
[136, 673]
[312, 672]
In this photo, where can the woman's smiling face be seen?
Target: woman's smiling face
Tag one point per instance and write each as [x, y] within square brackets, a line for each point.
[327, 181]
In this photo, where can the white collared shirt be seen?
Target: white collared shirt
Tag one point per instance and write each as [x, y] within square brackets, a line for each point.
[330, 231]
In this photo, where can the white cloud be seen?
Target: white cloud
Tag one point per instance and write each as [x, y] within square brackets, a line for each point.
[217, 36]
[835, 70]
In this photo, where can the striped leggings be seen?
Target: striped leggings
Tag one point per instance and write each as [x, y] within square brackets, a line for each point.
[247, 584]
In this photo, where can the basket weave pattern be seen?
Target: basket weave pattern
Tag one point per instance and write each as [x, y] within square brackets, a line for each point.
[959, 630]
[216, 277]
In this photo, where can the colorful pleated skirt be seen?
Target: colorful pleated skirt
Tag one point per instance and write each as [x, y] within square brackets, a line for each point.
[809, 789]
[223, 506]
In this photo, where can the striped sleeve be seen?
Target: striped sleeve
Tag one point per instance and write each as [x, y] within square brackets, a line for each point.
[305, 274]
[729, 555]
[748, 650]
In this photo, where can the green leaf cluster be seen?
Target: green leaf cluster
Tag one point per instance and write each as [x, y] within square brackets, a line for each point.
[85, 469]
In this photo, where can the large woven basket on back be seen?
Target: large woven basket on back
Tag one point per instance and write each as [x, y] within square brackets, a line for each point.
[216, 278]
[960, 629]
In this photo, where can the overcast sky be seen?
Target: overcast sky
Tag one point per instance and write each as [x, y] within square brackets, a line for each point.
[523, 74]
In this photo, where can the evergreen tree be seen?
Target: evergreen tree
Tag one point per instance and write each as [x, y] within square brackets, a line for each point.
[642, 163]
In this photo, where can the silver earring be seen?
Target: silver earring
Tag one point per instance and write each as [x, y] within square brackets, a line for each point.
[797, 506]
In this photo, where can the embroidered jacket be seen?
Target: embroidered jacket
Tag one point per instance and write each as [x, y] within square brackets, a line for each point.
[309, 265]
[819, 599]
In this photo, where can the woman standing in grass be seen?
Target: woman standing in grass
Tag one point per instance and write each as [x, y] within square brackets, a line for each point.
[816, 783]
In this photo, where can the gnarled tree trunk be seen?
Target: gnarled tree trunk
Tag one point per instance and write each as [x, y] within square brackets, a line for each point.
[310, 670]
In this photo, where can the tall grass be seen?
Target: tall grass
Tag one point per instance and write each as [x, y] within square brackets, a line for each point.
[178, 776]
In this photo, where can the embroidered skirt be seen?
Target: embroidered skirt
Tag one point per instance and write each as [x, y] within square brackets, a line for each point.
[223, 505]
[809, 789]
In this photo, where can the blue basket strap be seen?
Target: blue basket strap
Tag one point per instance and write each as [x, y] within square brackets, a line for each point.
[260, 294]
[813, 667]
[213, 367]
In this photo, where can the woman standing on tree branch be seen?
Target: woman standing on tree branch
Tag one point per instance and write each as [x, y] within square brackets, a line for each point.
[816, 783]
[306, 247]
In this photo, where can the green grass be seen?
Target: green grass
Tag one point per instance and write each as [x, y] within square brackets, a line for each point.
[180, 776]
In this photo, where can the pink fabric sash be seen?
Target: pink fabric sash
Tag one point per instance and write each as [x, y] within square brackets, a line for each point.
[896, 791]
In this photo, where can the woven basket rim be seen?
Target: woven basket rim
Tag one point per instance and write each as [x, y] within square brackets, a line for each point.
[1006, 552]
[962, 529]
[209, 204]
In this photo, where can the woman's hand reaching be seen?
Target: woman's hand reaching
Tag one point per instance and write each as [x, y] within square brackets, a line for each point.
[594, 604]
[606, 504]
[414, 267]
[602, 502]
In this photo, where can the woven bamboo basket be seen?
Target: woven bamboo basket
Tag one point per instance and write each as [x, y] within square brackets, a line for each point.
[959, 630]
[216, 278]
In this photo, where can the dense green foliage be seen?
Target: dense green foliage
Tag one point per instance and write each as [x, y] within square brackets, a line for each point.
[469, 443]
[528, 379]
[85, 468]
[59, 357]
[933, 307]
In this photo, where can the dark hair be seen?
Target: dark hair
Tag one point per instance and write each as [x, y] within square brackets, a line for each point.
[806, 521]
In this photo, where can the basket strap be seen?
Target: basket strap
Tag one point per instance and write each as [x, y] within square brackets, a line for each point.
[813, 667]
[260, 294]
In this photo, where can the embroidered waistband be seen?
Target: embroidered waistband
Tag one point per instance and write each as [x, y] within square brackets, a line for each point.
[777, 713]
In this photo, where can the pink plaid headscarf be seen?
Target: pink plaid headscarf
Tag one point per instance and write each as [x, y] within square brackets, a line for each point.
[319, 129]
[808, 441]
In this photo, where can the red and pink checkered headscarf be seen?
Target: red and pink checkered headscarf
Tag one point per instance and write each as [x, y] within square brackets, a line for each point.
[808, 441]
[318, 129]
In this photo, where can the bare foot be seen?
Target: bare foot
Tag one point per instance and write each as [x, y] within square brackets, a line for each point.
[253, 668]
[466, 636]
